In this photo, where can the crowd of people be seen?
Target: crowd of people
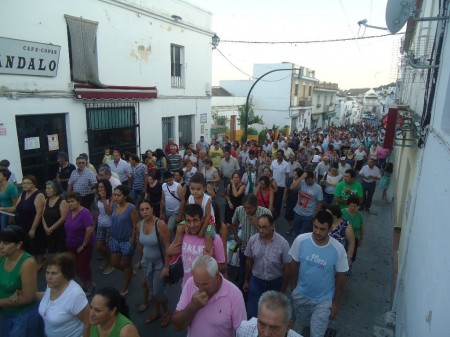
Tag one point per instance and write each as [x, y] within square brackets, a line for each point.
[155, 212]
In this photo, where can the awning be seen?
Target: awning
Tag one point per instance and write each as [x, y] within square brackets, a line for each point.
[112, 92]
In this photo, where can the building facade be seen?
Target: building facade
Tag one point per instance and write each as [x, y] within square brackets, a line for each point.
[86, 75]
[422, 162]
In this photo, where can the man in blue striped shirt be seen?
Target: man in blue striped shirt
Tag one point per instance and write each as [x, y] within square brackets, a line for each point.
[138, 177]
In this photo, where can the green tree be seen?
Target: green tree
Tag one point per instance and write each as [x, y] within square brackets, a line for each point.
[219, 120]
[252, 118]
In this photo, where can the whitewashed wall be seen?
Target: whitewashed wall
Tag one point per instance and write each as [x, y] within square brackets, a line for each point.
[422, 292]
[133, 43]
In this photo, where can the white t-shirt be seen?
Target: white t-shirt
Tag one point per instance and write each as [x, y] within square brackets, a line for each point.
[60, 315]
[279, 172]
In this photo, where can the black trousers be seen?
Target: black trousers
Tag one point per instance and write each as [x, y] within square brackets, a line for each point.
[368, 191]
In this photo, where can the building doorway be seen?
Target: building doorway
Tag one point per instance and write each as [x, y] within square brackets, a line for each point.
[185, 130]
[40, 138]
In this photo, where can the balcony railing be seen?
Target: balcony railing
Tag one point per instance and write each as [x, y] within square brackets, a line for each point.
[326, 85]
[177, 81]
[318, 105]
[306, 102]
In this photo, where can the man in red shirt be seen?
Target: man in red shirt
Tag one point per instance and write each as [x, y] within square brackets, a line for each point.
[169, 144]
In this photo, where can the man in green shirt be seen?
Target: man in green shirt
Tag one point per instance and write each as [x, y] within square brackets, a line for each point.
[349, 186]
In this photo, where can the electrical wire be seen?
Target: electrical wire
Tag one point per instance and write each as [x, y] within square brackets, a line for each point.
[239, 69]
[310, 41]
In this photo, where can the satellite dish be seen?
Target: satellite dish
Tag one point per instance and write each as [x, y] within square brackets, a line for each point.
[397, 13]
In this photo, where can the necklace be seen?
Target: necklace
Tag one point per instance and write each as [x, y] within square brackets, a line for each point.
[49, 304]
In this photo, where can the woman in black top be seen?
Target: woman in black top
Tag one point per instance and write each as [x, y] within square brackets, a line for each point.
[153, 193]
[55, 210]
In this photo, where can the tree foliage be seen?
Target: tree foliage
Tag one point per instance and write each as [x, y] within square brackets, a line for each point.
[252, 118]
[219, 120]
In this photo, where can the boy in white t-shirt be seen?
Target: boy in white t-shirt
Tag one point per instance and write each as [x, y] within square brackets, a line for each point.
[198, 196]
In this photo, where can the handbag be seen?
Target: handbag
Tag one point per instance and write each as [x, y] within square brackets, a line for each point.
[176, 269]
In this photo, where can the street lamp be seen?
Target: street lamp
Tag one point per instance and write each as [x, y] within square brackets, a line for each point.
[248, 97]
[215, 40]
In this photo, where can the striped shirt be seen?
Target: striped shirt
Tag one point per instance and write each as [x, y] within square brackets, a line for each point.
[138, 174]
[174, 161]
[250, 329]
[241, 217]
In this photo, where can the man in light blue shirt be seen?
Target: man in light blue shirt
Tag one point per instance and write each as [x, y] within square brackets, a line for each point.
[318, 276]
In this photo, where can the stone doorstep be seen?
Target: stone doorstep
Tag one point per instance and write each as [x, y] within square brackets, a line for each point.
[382, 332]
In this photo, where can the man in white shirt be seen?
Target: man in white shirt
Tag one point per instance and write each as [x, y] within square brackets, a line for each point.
[280, 170]
[370, 174]
[274, 318]
[343, 166]
[104, 172]
[121, 167]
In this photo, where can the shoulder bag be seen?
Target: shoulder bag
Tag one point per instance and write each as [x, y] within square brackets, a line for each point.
[176, 270]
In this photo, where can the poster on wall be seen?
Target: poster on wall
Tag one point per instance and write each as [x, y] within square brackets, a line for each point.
[32, 143]
[2, 129]
[53, 142]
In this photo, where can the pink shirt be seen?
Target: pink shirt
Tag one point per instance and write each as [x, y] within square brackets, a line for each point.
[382, 152]
[193, 247]
[222, 315]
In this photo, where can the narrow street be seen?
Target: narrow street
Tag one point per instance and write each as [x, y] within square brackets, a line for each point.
[367, 294]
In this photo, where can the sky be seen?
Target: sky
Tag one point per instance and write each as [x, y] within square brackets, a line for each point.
[351, 64]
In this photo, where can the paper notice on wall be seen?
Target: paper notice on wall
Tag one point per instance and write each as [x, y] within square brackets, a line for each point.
[32, 143]
[53, 142]
[2, 129]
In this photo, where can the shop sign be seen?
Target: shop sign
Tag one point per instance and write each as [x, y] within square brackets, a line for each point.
[18, 57]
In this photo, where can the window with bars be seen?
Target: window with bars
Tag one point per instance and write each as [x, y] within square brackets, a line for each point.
[113, 126]
[176, 65]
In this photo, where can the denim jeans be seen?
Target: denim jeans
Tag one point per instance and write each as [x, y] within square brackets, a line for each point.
[26, 324]
[171, 220]
[302, 224]
[257, 287]
[4, 221]
[135, 194]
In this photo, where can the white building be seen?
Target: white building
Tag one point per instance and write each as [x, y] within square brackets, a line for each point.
[270, 97]
[324, 97]
[422, 188]
[80, 76]
[225, 104]
[291, 95]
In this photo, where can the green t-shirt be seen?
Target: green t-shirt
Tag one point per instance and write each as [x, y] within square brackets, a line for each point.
[355, 220]
[121, 321]
[10, 193]
[10, 281]
[340, 191]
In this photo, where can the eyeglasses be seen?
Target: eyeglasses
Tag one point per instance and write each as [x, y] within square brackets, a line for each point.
[26, 182]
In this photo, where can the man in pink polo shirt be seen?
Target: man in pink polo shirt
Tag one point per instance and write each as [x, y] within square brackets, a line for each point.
[209, 305]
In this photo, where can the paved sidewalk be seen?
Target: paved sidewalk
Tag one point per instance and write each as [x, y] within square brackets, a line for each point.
[368, 290]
